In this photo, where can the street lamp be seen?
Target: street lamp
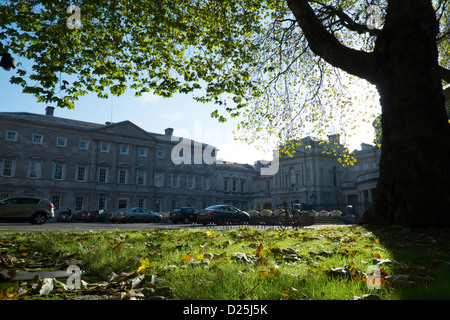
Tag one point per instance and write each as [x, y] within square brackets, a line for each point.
[7, 62]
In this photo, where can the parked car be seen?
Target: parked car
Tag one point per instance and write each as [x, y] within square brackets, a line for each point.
[220, 214]
[90, 216]
[77, 216]
[185, 215]
[135, 215]
[35, 210]
[62, 216]
[104, 216]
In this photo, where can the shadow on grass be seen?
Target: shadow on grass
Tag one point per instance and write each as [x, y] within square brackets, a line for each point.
[423, 272]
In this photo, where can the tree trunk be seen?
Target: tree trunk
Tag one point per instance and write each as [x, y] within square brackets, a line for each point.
[414, 183]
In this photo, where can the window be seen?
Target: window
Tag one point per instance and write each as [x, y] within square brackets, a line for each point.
[159, 154]
[205, 183]
[141, 203]
[37, 139]
[78, 203]
[242, 185]
[58, 171]
[123, 176]
[159, 179]
[61, 142]
[8, 168]
[226, 183]
[103, 175]
[190, 181]
[84, 145]
[56, 200]
[101, 203]
[104, 147]
[11, 135]
[175, 180]
[124, 149]
[141, 177]
[234, 184]
[122, 204]
[142, 152]
[34, 169]
[81, 173]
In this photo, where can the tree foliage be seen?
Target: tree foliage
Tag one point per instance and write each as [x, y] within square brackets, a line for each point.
[248, 56]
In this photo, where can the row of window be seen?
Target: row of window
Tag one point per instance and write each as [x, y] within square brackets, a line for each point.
[61, 142]
[34, 171]
[235, 185]
[175, 181]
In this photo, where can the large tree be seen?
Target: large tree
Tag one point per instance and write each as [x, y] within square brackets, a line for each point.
[284, 66]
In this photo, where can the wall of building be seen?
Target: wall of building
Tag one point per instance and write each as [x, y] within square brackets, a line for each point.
[87, 166]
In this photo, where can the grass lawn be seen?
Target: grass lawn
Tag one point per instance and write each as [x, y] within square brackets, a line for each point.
[216, 264]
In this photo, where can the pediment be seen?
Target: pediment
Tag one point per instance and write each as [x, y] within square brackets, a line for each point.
[126, 129]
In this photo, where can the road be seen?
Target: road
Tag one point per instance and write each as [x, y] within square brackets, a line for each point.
[80, 226]
[102, 226]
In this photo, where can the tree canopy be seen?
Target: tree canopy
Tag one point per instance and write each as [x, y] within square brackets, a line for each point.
[249, 57]
[288, 68]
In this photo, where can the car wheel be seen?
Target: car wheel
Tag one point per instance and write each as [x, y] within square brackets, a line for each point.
[186, 220]
[38, 218]
[132, 220]
[220, 221]
[157, 220]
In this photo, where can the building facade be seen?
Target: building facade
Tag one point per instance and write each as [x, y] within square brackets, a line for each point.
[87, 166]
[314, 178]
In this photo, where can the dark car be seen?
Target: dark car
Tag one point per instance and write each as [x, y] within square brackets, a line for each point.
[77, 216]
[35, 210]
[219, 214]
[90, 216]
[104, 216]
[185, 215]
[135, 215]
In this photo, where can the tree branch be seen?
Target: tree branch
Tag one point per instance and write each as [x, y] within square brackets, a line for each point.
[346, 21]
[325, 45]
[445, 74]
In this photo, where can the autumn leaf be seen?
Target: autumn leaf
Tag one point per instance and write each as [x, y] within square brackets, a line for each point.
[259, 251]
[186, 258]
[117, 247]
[145, 265]
[274, 271]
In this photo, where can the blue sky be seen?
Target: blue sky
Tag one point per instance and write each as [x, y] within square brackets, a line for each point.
[189, 118]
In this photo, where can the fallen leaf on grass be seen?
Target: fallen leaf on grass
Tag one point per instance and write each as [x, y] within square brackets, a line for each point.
[186, 258]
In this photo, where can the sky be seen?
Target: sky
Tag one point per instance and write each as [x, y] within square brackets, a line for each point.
[188, 118]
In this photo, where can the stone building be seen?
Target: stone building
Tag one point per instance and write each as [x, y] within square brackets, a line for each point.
[86, 166]
[318, 181]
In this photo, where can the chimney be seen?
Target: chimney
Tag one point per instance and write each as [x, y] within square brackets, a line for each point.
[168, 131]
[49, 111]
[334, 138]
